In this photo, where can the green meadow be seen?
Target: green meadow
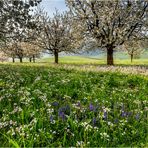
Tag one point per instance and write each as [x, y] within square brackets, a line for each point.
[48, 105]
[79, 60]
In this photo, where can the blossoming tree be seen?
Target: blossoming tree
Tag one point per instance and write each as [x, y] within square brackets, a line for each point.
[111, 22]
[56, 34]
[133, 48]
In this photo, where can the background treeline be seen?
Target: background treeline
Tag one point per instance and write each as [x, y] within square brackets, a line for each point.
[27, 31]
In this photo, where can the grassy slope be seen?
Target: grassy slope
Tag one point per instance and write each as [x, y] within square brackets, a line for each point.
[30, 93]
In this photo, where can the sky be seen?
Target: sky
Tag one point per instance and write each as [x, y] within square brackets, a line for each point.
[50, 6]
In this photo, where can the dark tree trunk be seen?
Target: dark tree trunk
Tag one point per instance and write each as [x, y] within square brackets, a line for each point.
[13, 60]
[33, 58]
[110, 58]
[132, 58]
[56, 56]
[30, 59]
[21, 59]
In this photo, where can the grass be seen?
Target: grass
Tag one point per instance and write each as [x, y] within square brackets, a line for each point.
[80, 60]
[47, 106]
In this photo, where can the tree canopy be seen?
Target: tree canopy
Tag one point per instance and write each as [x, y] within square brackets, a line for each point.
[57, 34]
[14, 14]
[111, 23]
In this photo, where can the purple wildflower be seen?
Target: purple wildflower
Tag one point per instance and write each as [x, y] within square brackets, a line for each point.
[91, 107]
[123, 114]
[61, 115]
[94, 121]
[105, 115]
[78, 104]
[55, 103]
[126, 114]
[51, 118]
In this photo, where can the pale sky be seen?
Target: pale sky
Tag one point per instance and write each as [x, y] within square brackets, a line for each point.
[50, 5]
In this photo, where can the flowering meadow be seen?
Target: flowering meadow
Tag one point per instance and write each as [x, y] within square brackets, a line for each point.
[46, 106]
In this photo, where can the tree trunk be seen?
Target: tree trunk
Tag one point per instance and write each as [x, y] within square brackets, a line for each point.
[110, 58]
[13, 60]
[33, 58]
[56, 56]
[30, 60]
[131, 58]
[21, 59]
